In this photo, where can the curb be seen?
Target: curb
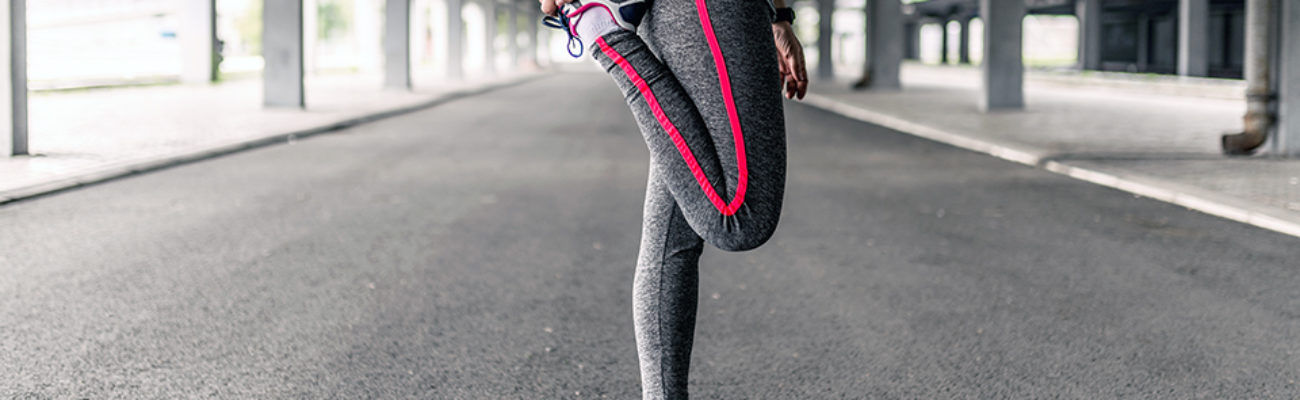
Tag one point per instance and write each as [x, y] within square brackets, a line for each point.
[1205, 201]
[123, 169]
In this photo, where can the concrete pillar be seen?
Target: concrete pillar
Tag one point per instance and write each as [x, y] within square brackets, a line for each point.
[911, 40]
[512, 35]
[489, 36]
[1003, 70]
[397, 44]
[1288, 124]
[427, 30]
[1089, 13]
[1193, 37]
[282, 52]
[943, 42]
[963, 48]
[1143, 41]
[544, 41]
[455, 38]
[531, 27]
[825, 64]
[198, 35]
[885, 43]
[13, 76]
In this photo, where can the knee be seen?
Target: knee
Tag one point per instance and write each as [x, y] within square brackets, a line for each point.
[742, 240]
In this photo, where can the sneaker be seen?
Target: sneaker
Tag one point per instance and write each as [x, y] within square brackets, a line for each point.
[626, 14]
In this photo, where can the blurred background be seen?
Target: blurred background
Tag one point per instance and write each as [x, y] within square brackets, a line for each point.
[77, 43]
[209, 53]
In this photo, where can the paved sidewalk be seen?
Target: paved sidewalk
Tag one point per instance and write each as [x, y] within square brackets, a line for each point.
[1157, 145]
[81, 137]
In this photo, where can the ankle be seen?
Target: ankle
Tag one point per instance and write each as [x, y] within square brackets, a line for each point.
[593, 23]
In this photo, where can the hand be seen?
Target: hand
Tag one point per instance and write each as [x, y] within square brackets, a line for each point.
[789, 53]
[549, 7]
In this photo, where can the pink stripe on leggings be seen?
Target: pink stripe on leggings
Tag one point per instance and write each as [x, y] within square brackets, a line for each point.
[725, 81]
[667, 125]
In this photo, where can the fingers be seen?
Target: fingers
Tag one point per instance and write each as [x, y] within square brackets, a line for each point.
[790, 61]
[552, 7]
[801, 84]
[798, 69]
[561, 3]
[798, 79]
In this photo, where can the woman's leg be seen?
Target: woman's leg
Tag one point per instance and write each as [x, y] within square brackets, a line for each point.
[664, 293]
[709, 106]
[712, 117]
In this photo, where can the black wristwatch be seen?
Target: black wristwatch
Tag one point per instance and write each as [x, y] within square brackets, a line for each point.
[784, 14]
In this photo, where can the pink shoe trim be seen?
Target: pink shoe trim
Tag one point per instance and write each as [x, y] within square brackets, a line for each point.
[578, 15]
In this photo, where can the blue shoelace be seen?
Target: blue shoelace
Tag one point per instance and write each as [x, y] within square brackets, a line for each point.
[561, 22]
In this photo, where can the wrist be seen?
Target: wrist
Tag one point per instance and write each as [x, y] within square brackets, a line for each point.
[783, 14]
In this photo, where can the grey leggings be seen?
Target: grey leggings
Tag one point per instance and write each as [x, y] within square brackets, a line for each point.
[702, 187]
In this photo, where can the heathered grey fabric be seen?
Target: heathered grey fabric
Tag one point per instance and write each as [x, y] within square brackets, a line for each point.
[673, 57]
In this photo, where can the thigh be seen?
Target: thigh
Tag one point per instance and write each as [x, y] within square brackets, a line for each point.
[673, 30]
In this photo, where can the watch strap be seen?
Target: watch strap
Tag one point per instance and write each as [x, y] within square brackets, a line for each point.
[784, 14]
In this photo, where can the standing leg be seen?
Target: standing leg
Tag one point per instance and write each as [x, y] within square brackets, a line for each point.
[665, 292]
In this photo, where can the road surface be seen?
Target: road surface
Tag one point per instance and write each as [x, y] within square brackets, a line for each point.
[477, 251]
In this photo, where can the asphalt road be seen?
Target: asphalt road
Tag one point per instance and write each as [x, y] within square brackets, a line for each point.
[477, 251]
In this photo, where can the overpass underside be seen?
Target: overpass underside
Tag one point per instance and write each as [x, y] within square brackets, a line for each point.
[1186, 37]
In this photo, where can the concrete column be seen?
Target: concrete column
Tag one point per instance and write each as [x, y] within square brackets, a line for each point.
[1089, 13]
[911, 40]
[397, 44]
[512, 35]
[530, 27]
[489, 36]
[885, 43]
[1143, 41]
[282, 51]
[963, 48]
[198, 34]
[825, 64]
[427, 30]
[1003, 71]
[455, 40]
[544, 40]
[13, 76]
[1288, 124]
[943, 42]
[1193, 37]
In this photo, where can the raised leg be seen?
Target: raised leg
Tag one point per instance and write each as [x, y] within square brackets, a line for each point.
[705, 89]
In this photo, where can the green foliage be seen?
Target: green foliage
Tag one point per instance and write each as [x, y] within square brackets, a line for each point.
[333, 18]
[249, 27]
